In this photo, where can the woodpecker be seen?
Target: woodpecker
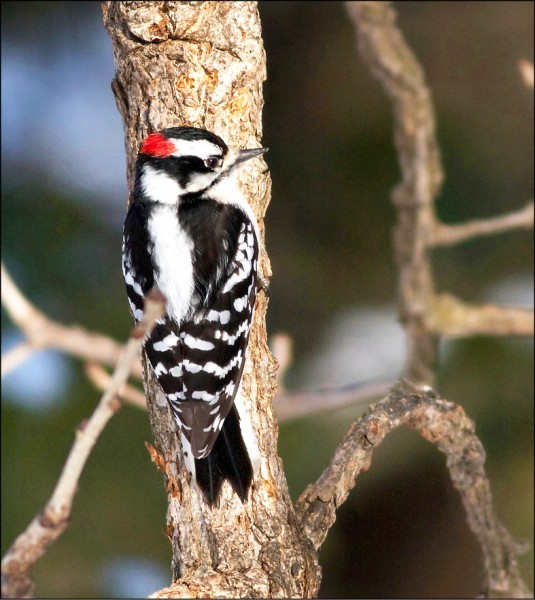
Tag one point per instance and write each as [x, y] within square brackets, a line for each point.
[190, 233]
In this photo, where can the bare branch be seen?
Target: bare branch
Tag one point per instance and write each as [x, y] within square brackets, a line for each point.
[41, 332]
[294, 405]
[48, 525]
[16, 356]
[448, 235]
[101, 379]
[447, 426]
[424, 315]
[386, 53]
[451, 317]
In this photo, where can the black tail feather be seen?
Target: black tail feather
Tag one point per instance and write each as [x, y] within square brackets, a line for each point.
[227, 460]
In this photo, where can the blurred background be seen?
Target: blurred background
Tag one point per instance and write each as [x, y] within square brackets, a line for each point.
[402, 532]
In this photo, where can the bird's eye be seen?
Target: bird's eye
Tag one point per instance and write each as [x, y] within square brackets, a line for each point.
[212, 162]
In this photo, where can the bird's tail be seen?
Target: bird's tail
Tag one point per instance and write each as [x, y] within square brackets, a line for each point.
[229, 459]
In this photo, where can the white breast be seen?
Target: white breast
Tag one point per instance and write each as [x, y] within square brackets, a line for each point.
[173, 259]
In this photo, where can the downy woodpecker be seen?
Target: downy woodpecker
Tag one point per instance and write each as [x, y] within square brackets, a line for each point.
[190, 233]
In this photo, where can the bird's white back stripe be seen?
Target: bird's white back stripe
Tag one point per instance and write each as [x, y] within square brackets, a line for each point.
[136, 312]
[177, 371]
[173, 259]
[240, 275]
[224, 336]
[211, 367]
[191, 366]
[129, 280]
[240, 303]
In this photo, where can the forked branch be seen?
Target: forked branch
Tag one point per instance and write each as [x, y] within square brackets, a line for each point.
[49, 524]
[426, 316]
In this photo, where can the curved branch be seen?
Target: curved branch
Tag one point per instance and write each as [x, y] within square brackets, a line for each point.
[49, 524]
[447, 426]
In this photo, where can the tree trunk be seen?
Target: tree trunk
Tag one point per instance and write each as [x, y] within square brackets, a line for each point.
[203, 64]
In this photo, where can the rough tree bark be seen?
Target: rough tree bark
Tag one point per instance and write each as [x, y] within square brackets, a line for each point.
[203, 64]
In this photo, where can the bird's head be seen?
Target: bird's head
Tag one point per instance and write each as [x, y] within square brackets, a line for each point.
[180, 161]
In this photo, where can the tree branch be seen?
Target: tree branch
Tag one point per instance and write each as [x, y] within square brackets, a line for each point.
[445, 425]
[42, 332]
[16, 356]
[450, 317]
[296, 405]
[49, 524]
[385, 52]
[101, 380]
[426, 316]
[448, 235]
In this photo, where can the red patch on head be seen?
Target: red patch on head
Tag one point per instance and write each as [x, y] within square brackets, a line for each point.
[157, 145]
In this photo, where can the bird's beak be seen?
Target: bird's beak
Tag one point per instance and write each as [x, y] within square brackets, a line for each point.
[244, 155]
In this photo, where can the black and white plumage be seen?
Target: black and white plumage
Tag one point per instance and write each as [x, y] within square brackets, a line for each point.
[190, 233]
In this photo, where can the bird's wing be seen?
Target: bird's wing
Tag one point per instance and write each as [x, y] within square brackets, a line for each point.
[138, 268]
[199, 361]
